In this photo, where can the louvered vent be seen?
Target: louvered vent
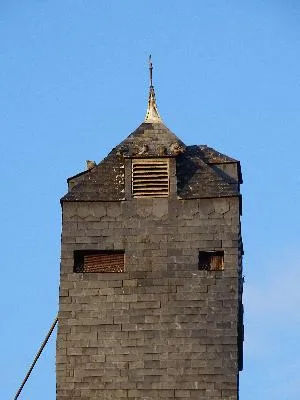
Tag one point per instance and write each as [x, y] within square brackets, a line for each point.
[150, 178]
[99, 261]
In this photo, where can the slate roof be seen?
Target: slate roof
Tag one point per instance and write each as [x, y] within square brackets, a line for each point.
[151, 140]
[197, 174]
[105, 182]
[210, 155]
[199, 179]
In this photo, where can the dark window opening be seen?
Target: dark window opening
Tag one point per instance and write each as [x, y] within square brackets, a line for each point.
[211, 260]
[99, 261]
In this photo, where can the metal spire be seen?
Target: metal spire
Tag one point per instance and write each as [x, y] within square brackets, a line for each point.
[152, 114]
[150, 71]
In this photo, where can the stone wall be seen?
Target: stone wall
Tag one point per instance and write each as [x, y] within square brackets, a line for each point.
[163, 328]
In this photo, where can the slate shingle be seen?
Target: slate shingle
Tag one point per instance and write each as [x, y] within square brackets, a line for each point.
[197, 176]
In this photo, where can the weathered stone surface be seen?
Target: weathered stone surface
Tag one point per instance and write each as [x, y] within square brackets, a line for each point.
[163, 328]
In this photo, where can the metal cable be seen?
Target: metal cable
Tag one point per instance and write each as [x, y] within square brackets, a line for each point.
[36, 358]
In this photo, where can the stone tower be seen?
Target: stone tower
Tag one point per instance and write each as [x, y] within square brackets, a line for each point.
[150, 299]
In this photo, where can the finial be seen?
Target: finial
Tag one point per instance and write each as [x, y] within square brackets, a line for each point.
[152, 114]
[150, 70]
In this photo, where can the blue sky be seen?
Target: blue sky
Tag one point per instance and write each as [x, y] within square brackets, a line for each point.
[74, 83]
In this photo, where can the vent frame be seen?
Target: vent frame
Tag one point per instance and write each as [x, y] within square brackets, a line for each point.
[150, 177]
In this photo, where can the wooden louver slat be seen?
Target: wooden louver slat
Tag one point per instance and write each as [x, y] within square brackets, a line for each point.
[103, 262]
[150, 178]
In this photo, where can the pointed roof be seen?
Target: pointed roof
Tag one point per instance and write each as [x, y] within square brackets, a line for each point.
[198, 174]
[151, 140]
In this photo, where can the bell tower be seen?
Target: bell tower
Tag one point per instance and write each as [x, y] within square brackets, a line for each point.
[150, 301]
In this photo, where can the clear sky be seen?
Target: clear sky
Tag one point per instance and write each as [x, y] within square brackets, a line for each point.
[74, 83]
